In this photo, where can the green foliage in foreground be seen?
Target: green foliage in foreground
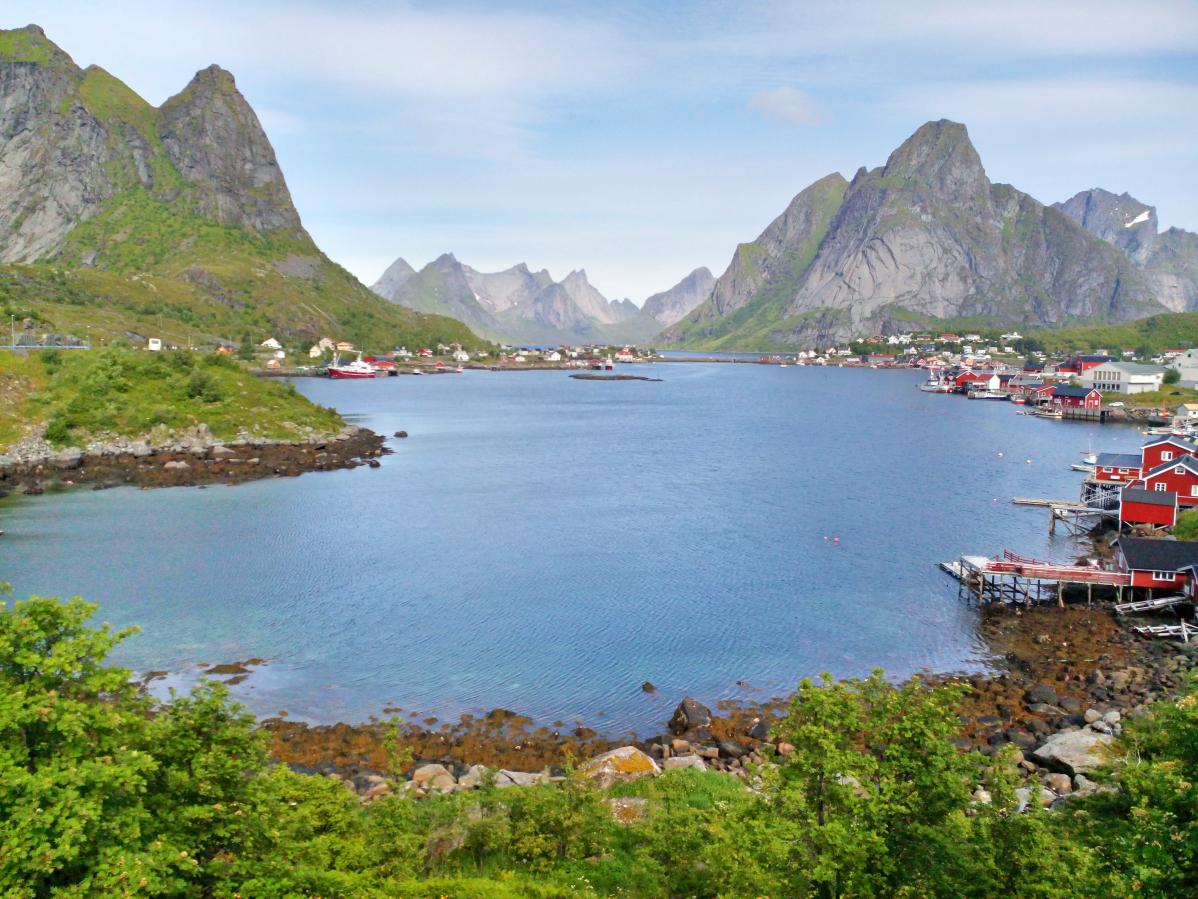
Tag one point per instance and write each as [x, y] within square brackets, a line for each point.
[104, 791]
[83, 393]
[1187, 525]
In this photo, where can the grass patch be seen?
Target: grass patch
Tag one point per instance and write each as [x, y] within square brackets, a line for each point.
[80, 395]
[1170, 395]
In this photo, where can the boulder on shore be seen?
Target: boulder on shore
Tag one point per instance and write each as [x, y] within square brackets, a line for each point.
[1073, 752]
[619, 765]
[690, 715]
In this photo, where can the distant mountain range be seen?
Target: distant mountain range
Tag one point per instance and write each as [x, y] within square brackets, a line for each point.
[137, 220]
[518, 305]
[1170, 260]
[928, 237]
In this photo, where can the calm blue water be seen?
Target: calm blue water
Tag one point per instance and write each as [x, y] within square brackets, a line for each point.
[546, 544]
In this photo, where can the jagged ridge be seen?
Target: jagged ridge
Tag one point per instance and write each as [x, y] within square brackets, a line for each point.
[133, 204]
[926, 236]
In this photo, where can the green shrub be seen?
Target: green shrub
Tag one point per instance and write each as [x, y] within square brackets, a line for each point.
[1187, 525]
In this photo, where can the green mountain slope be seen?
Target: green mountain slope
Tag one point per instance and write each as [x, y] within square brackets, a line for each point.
[173, 221]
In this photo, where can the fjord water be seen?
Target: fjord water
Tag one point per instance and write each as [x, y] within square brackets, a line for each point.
[547, 544]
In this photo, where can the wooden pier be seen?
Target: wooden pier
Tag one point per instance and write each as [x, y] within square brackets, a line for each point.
[1078, 518]
[1015, 579]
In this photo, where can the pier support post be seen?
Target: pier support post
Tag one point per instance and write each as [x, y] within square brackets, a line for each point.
[1060, 595]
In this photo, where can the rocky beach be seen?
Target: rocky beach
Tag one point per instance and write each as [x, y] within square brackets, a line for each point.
[191, 458]
[1061, 684]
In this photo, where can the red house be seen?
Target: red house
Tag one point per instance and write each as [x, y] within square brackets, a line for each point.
[1155, 563]
[962, 381]
[1179, 476]
[1117, 468]
[1066, 397]
[1080, 364]
[1165, 449]
[1155, 507]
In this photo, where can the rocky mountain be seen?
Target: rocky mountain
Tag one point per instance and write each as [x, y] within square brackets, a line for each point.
[672, 305]
[517, 305]
[175, 219]
[1170, 260]
[925, 237]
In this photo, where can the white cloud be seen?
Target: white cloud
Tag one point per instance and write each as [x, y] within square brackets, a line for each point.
[785, 104]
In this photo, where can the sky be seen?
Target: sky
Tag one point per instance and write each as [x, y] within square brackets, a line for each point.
[640, 140]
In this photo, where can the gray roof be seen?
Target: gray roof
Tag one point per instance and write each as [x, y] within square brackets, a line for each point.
[1150, 554]
[1187, 462]
[1173, 438]
[1134, 368]
[1148, 497]
[1119, 460]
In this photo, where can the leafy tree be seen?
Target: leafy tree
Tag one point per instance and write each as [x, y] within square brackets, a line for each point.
[1146, 829]
[246, 349]
[1172, 376]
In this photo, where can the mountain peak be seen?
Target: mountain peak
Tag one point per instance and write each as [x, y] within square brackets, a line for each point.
[941, 154]
[30, 45]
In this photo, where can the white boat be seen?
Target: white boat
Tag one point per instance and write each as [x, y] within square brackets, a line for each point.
[459, 370]
[418, 371]
[935, 384]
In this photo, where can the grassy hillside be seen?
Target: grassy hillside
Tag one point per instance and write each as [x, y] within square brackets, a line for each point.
[79, 396]
[1154, 335]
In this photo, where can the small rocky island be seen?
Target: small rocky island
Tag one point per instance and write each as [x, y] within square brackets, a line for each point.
[119, 416]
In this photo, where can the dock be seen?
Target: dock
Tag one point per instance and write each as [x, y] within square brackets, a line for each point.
[1078, 517]
[1011, 578]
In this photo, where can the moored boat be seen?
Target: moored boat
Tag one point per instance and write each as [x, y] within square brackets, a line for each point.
[356, 369]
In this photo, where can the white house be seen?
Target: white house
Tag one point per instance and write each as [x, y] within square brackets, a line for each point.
[1187, 366]
[271, 344]
[1012, 336]
[316, 352]
[553, 356]
[1187, 414]
[1123, 377]
[460, 355]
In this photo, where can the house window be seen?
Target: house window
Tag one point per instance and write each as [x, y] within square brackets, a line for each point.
[1180, 469]
[1121, 470]
[1163, 575]
[1160, 486]
[1167, 456]
[1194, 490]
[1108, 470]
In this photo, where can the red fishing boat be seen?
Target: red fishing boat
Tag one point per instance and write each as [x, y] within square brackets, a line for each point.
[359, 368]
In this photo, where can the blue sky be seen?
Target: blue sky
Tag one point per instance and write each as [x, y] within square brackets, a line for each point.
[640, 140]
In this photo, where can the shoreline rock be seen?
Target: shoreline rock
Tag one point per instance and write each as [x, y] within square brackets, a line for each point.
[183, 460]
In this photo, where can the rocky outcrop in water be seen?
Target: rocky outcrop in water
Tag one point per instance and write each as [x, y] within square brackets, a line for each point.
[925, 237]
[187, 459]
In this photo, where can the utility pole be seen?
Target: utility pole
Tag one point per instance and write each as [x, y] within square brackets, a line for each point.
[13, 319]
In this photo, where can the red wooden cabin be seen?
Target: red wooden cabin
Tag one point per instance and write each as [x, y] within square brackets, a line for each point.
[1117, 468]
[1066, 397]
[1179, 476]
[1165, 449]
[1155, 507]
[1157, 564]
